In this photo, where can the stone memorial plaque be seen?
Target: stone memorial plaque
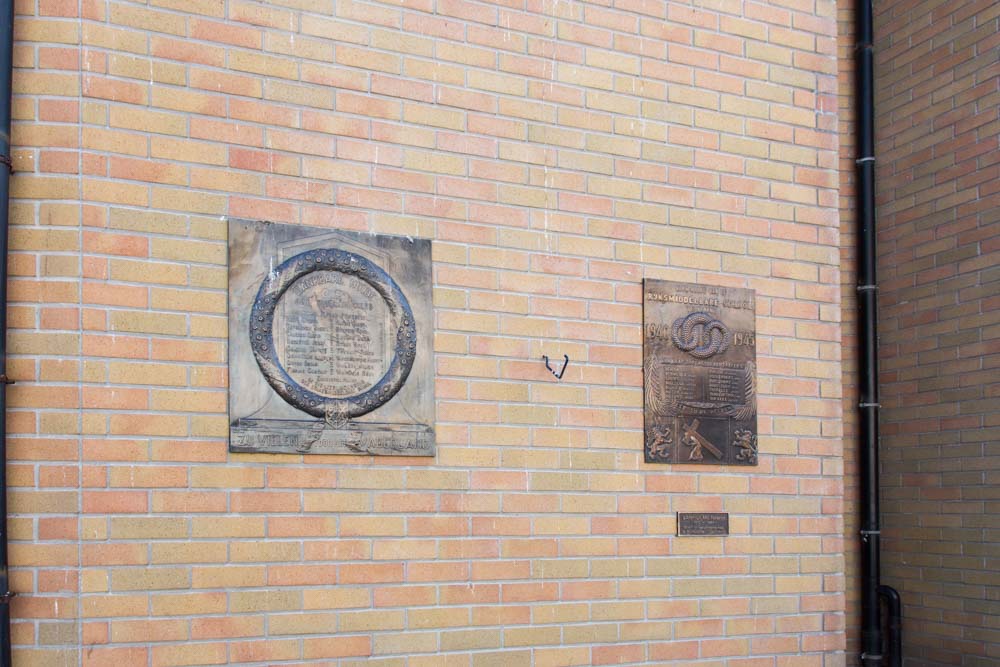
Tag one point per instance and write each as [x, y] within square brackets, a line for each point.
[703, 523]
[330, 341]
[699, 374]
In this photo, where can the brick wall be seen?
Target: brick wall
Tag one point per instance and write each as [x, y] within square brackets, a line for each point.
[849, 343]
[556, 152]
[938, 129]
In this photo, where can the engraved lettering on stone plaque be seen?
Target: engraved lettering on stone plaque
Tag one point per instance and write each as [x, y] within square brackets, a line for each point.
[336, 341]
[330, 341]
[699, 374]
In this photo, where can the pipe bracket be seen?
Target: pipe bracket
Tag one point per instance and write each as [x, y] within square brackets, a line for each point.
[869, 405]
[7, 597]
[860, 160]
[5, 159]
[6, 380]
[866, 288]
[559, 373]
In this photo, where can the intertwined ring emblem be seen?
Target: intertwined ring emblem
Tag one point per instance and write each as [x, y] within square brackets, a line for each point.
[701, 335]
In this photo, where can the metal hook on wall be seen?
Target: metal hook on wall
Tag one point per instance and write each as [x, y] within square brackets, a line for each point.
[552, 370]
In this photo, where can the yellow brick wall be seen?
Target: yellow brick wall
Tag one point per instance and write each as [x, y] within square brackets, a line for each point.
[557, 152]
[846, 20]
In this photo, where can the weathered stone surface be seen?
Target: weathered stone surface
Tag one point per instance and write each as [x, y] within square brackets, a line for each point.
[330, 341]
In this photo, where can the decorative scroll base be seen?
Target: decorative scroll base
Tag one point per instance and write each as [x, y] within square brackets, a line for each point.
[315, 437]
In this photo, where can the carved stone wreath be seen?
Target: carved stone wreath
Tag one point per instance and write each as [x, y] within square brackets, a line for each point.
[335, 411]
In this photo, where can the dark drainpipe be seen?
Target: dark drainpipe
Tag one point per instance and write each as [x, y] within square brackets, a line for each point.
[871, 617]
[6, 69]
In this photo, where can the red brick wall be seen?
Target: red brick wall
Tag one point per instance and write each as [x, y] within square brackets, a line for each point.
[556, 152]
[937, 107]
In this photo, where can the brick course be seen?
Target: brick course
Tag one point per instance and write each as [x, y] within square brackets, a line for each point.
[557, 153]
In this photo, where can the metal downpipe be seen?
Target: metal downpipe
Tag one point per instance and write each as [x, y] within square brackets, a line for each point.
[871, 617]
[6, 90]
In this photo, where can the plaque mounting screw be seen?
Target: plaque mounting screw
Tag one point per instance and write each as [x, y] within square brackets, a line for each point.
[560, 373]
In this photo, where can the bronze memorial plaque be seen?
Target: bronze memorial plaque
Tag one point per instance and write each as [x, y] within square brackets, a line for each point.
[330, 341]
[699, 374]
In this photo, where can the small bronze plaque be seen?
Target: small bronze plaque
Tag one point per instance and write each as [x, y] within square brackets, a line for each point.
[330, 341]
[699, 374]
[703, 523]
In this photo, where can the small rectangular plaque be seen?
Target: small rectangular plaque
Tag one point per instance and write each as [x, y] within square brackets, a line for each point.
[703, 523]
[699, 374]
[330, 341]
